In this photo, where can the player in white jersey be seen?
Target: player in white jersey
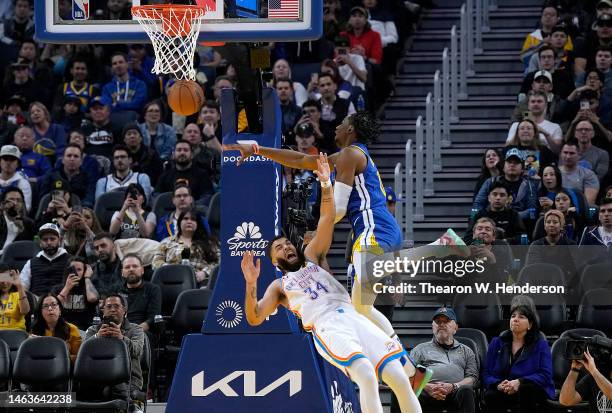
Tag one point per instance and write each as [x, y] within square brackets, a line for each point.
[342, 336]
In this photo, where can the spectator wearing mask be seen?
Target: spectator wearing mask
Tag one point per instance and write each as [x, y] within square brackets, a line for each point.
[193, 243]
[576, 176]
[20, 26]
[550, 133]
[155, 133]
[114, 309]
[122, 175]
[289, 110]
[523, 189]
[184, 170]
[591, 157]
[34, 165]
[518, 367]
[144, 159]
[14, 304]
[10, 177]
[15, 225]
[454, 365]
[505, 218]
[44, 129]
[602, 234]
[143, 297]
[78, 180]
[49, 321]
[132, 220]
[100, 134]
[126, 92]
[107, 270]
[46, 269]
[77, 293]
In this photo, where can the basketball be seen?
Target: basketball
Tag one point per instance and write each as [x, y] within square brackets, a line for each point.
[185, 97]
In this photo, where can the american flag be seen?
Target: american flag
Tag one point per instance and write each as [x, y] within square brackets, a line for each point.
[283, 9]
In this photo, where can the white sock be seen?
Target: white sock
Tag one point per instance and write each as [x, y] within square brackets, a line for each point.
[361, 371]
[395, 377]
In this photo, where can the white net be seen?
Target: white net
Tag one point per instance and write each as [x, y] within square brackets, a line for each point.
[174, 32]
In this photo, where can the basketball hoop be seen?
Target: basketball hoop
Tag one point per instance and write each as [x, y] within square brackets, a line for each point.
[174, 31]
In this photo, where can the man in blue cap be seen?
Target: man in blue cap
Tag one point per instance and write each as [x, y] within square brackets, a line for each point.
[454, 365]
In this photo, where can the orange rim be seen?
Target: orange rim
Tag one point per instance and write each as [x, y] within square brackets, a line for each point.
[172, 16]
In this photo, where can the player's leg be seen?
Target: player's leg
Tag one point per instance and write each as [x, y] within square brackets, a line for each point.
[361, 371]
[394, 376]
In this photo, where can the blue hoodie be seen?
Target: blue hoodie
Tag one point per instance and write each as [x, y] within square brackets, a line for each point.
[130, 95]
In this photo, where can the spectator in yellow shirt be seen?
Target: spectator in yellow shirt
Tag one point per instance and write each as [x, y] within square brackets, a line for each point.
[14, 303]
[49, 321]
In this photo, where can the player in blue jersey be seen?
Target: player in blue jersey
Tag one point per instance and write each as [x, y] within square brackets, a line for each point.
[358, 192]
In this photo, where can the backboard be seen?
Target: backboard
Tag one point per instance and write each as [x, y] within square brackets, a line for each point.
[80, 21]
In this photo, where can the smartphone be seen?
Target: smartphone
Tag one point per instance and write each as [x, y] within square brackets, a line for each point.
[57, 195]
[477, 241]
[77, 209]
[584, 105]
[314, 77]
[107, 320]
[341, 50]
[71, 270]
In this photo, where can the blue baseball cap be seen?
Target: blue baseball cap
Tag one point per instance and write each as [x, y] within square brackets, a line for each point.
[514, 152]
[391, 197]
[99, 100]
[447, 311]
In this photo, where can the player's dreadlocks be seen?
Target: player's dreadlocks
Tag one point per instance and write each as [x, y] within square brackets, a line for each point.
[366, 127]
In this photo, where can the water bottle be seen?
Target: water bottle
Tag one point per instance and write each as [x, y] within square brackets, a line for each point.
[524, 239]
[592, 213]
[185, 254]
[360, 103]
[516, 265]
[473, 213]
[532, 214]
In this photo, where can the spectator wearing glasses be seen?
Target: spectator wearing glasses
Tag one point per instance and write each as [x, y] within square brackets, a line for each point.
[155, 133]
[182, 201]
[564, 57]
[49, 321]
[123, 176]
[563, 81]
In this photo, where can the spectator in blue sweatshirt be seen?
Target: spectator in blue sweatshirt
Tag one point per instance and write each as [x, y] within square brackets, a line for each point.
[518, 367]
[34, 165]
[44, 129]
[125, 91]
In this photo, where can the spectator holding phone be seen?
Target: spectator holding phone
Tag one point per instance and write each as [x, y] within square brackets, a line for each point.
[78, 294]
[14, 303]
[132, 221]
[49, 321]
[79, 231]
[14, 222]
[59, 207]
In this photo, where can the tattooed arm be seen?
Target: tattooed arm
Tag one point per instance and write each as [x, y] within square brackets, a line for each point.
[258, 311]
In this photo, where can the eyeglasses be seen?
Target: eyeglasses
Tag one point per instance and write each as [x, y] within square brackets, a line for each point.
[584, 130]
[113, 306]
[48, 306]
[120, 157]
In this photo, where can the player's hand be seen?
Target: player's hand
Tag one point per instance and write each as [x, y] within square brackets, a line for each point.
[245, 150]
[322, 171]
[250, 269]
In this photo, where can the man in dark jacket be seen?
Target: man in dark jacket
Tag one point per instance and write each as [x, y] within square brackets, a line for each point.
[46, 269]
[596, 242]
[144, 298]
[107, 271]
[144, 159]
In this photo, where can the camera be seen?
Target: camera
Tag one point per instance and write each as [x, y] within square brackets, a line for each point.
[304, 130]
[297, 213]
[599, 347]
[10, 209]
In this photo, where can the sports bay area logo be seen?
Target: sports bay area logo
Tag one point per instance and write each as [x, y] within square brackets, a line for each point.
[229, 314]
[247, 238]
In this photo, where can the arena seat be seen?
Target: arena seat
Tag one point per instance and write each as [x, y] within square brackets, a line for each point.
[214, 213]
[595, 276]
[145, 366]
[541, 274]
[553, 314]
[595, 310]
[5, 367]
[479, 338]
[162, 204]
[13, 338]
[106, 205]
[481, 311]
[173, 279]
[584, 332]
[100, 362]
[17, 253]
[43, 364]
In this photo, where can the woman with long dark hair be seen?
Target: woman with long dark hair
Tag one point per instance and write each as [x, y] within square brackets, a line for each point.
[49, 321]
[132, 220]
[191, 243]
[491, 166]
[77, 293]
[518, 367]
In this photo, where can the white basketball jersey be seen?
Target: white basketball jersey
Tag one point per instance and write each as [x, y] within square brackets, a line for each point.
[312, 292]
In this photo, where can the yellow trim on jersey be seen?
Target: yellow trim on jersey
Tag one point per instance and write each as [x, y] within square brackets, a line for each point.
[371, 245]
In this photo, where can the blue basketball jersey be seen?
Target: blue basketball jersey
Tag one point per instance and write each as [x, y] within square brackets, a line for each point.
[373, 225]
[84, 94]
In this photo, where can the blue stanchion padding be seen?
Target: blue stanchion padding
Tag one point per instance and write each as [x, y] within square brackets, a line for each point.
[250, 218]
[256, 373]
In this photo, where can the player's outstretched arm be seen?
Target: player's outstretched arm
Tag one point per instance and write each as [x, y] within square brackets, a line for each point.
[286, 157]
[318, 247]
[257, 311]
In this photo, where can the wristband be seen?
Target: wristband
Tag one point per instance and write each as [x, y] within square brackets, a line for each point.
[255, 148]
[326, 184]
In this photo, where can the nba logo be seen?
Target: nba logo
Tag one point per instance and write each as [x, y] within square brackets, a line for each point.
[80, 9]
